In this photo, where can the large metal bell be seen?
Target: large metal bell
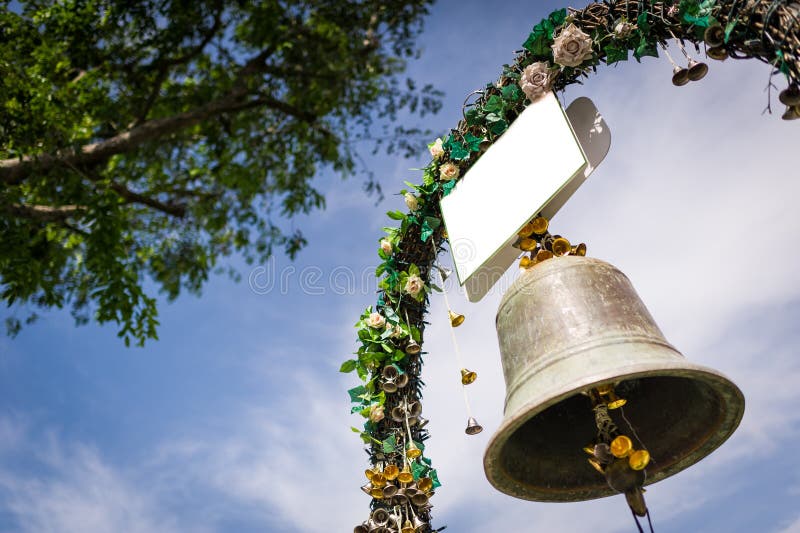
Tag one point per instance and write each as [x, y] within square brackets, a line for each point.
[572, 324]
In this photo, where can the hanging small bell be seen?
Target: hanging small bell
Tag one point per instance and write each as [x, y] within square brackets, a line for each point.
[621, 446]
[417, 523]
[413, 347]
[526, 230]
[405, 476]
[527, 244]
[680, 76]
[378, 479]
[561, 246]
[425, 484]
[380, 516]
[473, 428]
[367, 489]
[540, 225]
[714, 35]
[551, 359]
[525, 262]
[398, 413]
[422, 422]
[412, 451]
[579, 250]
[408, 527]
[389, 491]
[543, 255]
[718, 53]
[610, 397]
[791, 113]
[401, 381]
[388, 386]
[790, 96]
[390, 472]
[414, 409]
[419, 499]
[468, 376]
[455, 319]
[697, 70]
[390, 372]
[361, 528]
[639, 459]
[376, 492]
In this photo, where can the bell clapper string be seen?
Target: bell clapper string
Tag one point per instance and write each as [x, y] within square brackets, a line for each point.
[633, 431]
[453, 335]
[664, 47]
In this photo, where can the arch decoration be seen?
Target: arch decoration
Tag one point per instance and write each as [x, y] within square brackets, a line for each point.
[561, 50]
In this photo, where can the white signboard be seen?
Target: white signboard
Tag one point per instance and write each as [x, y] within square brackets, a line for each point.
[534, 167]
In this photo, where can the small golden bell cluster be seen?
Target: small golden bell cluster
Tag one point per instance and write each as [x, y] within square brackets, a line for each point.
[539, 245]
[404, 498]
[621, 448]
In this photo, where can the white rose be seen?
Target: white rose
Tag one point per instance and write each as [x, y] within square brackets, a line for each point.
[535, 80]
[413, 285]
[448, 171]
[572, 47]
[624, 29]
[376, 413]
[436, 149]
[396, 330]
[386, 246]
[411, 201]
[376, 320]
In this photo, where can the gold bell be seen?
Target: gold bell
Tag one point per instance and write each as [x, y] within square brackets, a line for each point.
[717, 52]
[413, 347]
[419, 499]
[714, 36]
[473, 428]
[621, 446]
[790, 96]
[639, 459]
[369, 472]
[596, 465]
[579, 250]
[412, 451]
[527, 244]
[405, 476]
[408, 527]
[543, 255]
[610, 397]
[680, 76]
[468, 376]
[418, 524]
[697, 70]
[561, 246]
[390, 472]
[425, 484]
[525, 262]
[540, 225]
[791, 113]
[376, 492]
[378, 479]
[455, 319]
[526, 230]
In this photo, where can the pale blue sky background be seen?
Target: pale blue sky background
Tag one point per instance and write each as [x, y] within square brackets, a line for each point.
[237, 420]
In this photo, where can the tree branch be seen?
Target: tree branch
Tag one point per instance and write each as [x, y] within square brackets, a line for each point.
[14, 171]
[44, 213]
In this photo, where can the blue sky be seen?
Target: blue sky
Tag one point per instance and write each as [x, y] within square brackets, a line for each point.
[237, 420]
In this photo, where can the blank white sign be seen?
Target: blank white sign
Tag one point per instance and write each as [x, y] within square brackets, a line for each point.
[520, 173]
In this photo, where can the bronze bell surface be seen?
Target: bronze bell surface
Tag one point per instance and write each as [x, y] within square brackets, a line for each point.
[573, 324]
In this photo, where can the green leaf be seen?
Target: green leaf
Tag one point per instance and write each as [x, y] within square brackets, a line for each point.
[361, 370]
[498, 127]
[435, 478]
[357, 393]
[512, 93]
[396, 215]
[418, 470]
[390, 445]
[348, 366]
[399, 355]
[447, 186]
[615, 54]
[474, 117]
[729, 27]
[413, 270]
[642, 24]
[459, 151]
[425, 232]
[494, 104]
[558, 17]
[645, 48]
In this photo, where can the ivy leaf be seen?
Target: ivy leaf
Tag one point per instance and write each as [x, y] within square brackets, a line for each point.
[558, 17]
[426, 231]
[615, 54]
[418, 470]
[729, 27]
[447, 186]
[390, 445]
[435, 478]
[348, 366]
[642, 24]
[396, 215]
[361, 370]
[357, 393]
[511, 93]
[494, 104]
[459, 151]
[498, 127]
[399, 355]
[474, 117]
[645, 48]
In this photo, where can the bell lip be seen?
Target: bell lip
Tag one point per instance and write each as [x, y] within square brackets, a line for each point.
[504, 483]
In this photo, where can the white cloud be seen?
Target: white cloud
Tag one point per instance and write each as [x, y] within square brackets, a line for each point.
[73, 489]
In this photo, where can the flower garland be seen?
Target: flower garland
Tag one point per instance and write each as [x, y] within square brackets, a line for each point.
[561, 49]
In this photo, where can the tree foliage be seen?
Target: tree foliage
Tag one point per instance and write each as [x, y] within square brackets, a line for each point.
[147, 140]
